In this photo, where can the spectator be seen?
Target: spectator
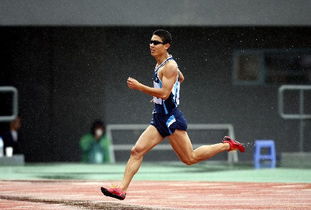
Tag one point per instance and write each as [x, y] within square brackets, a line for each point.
[11, 137]
[95, 145]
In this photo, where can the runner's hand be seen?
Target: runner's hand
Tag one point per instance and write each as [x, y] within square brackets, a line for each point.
[133, 83]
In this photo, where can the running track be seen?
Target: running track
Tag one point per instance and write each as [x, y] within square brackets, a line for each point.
[64, 194]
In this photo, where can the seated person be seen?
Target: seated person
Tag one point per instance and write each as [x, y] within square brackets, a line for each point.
[95, 145]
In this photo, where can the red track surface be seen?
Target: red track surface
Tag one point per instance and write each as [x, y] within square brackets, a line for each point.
[154, 195]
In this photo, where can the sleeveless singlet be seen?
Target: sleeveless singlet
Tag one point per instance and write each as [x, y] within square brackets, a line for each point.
[168, 105]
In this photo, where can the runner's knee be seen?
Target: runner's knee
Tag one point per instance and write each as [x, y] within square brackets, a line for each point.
[189, 160]
[137, 151]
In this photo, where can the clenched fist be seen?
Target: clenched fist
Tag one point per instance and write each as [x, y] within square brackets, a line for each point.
[133, 83]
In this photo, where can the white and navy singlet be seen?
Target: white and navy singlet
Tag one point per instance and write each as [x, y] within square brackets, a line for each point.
[166, 116]
[161, 105]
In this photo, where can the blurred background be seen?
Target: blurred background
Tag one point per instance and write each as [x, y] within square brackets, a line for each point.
[69, 61]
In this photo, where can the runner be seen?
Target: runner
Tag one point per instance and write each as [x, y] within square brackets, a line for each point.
[168, 120]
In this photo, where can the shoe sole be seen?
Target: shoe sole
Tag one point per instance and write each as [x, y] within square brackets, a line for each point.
[240, 147]
[107, 193]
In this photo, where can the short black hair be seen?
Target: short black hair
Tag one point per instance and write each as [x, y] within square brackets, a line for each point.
[164, 35]
[97, 124]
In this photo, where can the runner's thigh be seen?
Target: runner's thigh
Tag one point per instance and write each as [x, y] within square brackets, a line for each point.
[181, 144]
[148, 139]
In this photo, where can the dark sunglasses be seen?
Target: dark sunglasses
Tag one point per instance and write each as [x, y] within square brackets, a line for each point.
[154, 42]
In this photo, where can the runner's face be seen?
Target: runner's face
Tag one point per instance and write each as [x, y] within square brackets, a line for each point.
[156, 46]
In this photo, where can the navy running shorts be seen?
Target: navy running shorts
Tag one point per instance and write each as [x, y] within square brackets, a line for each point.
[166, 124]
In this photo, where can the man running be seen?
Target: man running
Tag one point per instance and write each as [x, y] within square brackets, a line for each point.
[167, 120]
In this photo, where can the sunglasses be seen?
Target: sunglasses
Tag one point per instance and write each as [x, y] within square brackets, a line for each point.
[155, 42]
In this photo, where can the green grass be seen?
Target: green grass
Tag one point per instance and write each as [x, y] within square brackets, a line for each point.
[154, 171]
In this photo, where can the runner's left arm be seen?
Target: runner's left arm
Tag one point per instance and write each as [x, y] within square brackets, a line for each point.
[181, 77]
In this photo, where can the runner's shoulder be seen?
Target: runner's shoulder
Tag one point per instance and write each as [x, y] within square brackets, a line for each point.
[171, 66]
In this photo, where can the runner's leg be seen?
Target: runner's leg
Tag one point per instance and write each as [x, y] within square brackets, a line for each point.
[148, 139]
[182, 145]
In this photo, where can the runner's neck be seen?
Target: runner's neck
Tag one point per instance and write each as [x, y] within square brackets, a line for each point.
[162, 59]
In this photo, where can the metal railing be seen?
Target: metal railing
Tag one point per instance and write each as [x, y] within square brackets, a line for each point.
[301, 116]
[14, 114]
[232, 156]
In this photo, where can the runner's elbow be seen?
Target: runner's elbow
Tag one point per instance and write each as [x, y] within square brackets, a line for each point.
[164, 96]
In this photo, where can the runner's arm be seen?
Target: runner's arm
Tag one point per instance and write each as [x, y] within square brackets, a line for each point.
[181, 77]
[169, 77]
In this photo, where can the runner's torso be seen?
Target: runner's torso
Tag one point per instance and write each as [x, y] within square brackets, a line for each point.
[165, 106]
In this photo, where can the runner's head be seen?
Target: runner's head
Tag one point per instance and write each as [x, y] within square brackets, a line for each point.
[160, 42]
[165, 36]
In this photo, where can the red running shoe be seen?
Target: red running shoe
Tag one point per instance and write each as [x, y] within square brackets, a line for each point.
[114, 192]
[234, 145]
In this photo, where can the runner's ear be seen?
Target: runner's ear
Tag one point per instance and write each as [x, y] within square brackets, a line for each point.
[167, 45]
